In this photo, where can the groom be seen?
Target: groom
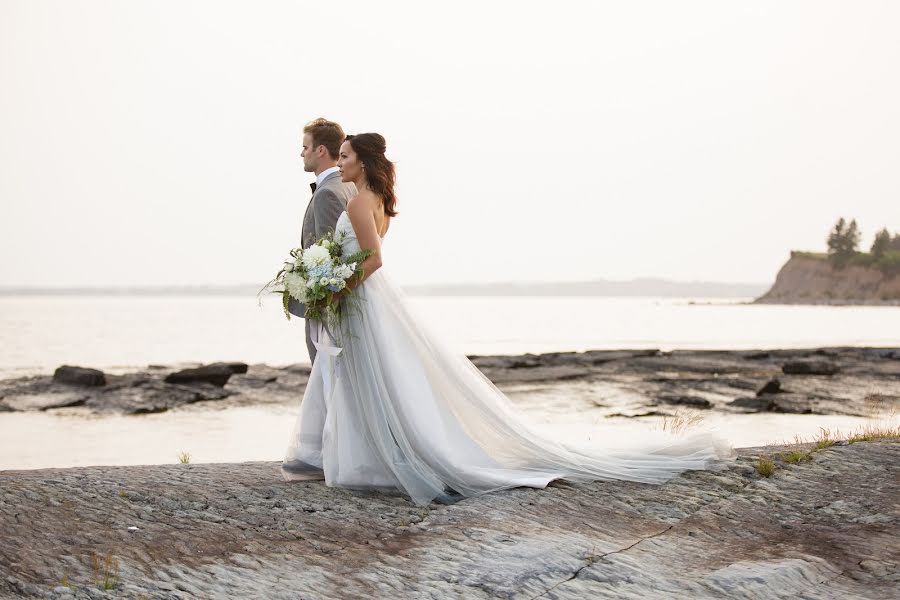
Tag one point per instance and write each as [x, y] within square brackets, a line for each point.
[322, 141]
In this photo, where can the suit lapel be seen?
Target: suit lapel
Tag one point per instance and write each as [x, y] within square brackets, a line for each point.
[328, 178]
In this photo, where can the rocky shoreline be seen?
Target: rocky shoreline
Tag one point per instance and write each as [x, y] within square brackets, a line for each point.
[822, 528]
[839, 380]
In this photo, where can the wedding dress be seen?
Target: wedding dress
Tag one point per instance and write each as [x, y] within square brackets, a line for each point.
[389, 406]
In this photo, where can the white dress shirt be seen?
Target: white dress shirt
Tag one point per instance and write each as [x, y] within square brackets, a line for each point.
[325, 174]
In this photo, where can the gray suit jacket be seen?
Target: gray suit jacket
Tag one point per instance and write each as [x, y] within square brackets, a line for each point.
[327, 203]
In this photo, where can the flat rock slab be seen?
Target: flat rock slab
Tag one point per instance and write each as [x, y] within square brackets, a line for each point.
[624, 382]
[827, 528]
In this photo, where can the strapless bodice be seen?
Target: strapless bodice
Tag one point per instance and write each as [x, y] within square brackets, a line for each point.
[343, 229]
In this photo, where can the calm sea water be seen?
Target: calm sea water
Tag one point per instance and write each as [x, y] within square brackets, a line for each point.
[37, 334]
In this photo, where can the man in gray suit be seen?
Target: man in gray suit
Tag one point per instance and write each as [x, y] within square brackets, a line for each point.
[322, 141]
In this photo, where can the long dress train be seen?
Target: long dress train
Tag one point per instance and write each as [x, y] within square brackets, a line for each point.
[389, 406]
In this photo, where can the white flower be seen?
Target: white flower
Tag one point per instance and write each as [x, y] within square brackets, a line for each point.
[311, 283]
[296, 286]
[323, 281]
[343, 271]
[315, 255]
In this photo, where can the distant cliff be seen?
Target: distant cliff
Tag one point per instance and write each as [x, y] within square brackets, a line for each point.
[810, 278]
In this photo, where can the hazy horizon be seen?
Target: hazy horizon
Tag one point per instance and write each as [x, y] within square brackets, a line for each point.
[643, 287]
[148, 144]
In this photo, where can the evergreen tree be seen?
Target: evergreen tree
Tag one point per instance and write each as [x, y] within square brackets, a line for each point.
[843, 242]
[853, 237]
[881, 243]
[894, 244]
[836, 237]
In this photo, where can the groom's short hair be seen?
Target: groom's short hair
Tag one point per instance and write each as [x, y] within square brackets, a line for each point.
[326, 133]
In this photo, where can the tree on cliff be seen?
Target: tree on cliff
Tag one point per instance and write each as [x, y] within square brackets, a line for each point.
[843, 242]
[894, 246]
[882, 243]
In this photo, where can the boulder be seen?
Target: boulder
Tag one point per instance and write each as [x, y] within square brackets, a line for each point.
[216, 374]
[780, 402]
[809, 367]
[773, 386]
[79, 376]
[685, 400]
[753, 403]
[237, 368]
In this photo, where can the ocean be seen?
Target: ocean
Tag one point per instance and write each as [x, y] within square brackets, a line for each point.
[117, 333]
[39, 333]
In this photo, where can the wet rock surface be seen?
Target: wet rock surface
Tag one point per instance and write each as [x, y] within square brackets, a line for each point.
[79, 376]
[842, 381]
[826, 528]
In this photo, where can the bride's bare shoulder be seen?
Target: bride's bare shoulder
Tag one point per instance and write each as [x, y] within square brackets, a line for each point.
[364, 201]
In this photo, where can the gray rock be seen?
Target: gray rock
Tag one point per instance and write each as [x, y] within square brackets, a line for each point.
[753, 403]
[809, 367]
[237, 368]
[604, 382]
[79, 376]
[45, 401]
[773, 386]
[239, 530]
[216, 374]
[685, 400]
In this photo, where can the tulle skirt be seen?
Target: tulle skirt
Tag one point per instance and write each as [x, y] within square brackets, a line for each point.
[390, 406]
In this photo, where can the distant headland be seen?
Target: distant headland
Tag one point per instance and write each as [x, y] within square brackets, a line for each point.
[843, 275]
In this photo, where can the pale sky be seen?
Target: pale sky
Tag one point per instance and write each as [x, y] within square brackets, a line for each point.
[158, 142]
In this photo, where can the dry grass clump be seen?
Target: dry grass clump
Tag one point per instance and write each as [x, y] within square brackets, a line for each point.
[681, 421]
[882, 426]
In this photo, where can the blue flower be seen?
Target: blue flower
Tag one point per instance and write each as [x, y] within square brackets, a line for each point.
[320, 271]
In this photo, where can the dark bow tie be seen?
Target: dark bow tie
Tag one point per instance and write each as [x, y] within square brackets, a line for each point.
[313, 186]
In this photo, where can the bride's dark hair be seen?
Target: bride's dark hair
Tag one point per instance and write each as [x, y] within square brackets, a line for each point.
[370, 149]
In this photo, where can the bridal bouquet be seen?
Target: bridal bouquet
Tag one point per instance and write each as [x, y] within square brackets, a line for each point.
[314, 275]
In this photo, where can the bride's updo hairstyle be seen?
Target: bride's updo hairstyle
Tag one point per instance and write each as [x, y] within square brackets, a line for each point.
[370, 149]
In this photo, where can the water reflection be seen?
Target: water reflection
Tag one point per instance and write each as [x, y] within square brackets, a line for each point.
[67, 439]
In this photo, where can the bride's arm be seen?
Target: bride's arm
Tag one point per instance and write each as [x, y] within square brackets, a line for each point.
[362, 216]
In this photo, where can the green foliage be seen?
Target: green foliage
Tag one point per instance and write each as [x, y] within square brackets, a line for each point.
[843, 243]
[796, 455]
[881, 243]
[894, 244]
[765, 466]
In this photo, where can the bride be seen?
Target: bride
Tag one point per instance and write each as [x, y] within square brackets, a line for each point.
[390, 406]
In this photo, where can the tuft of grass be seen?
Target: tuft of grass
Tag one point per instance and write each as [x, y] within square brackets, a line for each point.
[184, 458]
[681, 421]
[824, 439]
[105, 570]
[797, 455]
[765, 466]
[883, 425]
[875, 431]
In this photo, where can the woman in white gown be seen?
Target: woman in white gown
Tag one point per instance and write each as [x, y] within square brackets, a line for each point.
[389, 406]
